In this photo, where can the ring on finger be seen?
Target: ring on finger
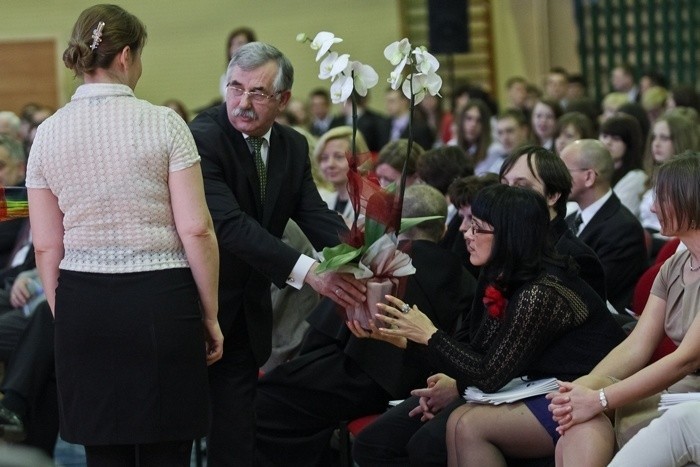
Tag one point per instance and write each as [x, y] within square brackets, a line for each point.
[337, 291]
[405, 308]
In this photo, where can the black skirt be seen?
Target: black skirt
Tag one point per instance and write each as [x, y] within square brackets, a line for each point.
[130, 358]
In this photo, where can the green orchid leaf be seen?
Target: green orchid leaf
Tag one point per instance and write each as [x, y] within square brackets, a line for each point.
[373, 231]
[410, 222]
[337, 256]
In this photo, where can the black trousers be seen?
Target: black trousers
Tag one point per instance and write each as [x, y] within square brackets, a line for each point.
[300, 404]
[232, 383]
[172, 454]
[397, 439]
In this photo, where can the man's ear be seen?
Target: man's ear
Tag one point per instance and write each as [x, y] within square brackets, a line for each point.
[284, 99]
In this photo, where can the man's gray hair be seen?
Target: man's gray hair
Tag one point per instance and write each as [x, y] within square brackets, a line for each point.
[256, 54]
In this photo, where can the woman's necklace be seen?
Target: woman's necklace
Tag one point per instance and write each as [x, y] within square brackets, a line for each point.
[693, 269]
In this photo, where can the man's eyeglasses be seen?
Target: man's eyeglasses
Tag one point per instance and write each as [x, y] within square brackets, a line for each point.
[475, 230]
[255, 96]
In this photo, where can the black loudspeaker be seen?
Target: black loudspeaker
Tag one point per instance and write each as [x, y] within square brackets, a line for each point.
[447, 21]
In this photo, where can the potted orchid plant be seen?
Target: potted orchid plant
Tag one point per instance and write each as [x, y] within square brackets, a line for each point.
[371, 252]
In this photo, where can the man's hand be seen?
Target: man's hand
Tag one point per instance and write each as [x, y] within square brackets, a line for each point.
[441, 391]
[342, 288]
[20, 293]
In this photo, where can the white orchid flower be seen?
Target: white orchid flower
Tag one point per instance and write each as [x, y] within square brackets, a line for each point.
[341, 88]
[333, 65]
[323, 42]
[425, 62]
[398, 51]
[364, 77]
[422, 83]
[396, 76]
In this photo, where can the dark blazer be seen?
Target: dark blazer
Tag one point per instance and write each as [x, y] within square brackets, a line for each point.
[422, 134]
[441, 288]
[251, 252]
[589, 267]
[617, 238]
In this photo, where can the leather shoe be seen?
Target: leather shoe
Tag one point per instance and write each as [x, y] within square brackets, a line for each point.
[11, 426]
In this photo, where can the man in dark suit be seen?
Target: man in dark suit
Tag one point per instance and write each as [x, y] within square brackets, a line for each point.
[602, 222]
[371, 124]
[541, 170]
[398, 108]
[340, 377]
[256, 177]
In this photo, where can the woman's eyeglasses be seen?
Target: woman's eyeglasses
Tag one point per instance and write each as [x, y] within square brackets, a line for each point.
[476, 230]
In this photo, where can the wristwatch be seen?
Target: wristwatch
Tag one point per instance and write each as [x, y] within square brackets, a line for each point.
[603, 399]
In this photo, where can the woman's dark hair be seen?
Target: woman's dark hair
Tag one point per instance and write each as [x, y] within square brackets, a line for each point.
[578, 120]
[464, 189]
[686, 96]
[637, 111]
[484, 139]
[520, 221]
[120, 29]
[394, 154]
[242, 31]
[627, 129]
[678, 191]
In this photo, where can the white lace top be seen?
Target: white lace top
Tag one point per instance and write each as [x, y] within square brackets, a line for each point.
[106, 156]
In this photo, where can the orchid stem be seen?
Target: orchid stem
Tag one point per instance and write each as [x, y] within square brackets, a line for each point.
[409, 147]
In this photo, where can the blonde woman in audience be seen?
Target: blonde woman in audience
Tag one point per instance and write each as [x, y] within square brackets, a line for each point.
[671, 134]
[332, 154]
[127, 254]
[611, 103]
[623, 385]
[654, 102]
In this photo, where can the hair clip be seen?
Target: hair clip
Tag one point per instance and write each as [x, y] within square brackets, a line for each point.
[97, 35]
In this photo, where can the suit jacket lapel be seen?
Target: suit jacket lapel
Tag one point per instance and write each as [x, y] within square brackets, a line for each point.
[276, 169]
[604, 213]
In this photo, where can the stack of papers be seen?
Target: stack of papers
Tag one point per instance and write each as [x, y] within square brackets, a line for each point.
[669, 400]
[515, 390]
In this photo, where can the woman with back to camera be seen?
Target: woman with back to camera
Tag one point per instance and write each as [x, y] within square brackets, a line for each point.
[623, 385]
[531, 317]
[127, 254]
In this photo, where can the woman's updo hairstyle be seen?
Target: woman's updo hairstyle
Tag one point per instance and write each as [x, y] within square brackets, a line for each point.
[120, 29]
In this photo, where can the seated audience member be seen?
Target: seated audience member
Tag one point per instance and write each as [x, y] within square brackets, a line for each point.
[296, 115]
[29, 407]
[556, 86]
[338, 377]
[321, 116]
[290, 307]
[474, 134]
[622, 81]
[651, 78]
[538, 169]
[622, 136]
[570, 127]
[9, 125]
[654, 102]
[636, 111]
[17, 304]
[544, 122]
[12, 170]
[602, 222]
[461, 194]
[236, 38]
[530, 311]
[683, 95]
[332, 152]
[437, 118]
[672, 134]
[516, 92]
[512, 131]
[588, 107]
[370, 123]
[391, 159]
[576, 89]
[611, 104]
[624, 386]
[439, 168]
[673, 440]
[396, 127]
[534, 94]
[179, 107]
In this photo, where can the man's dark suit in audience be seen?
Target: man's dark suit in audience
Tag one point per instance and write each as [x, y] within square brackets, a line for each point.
[340, 377]
[396, 126]
[371, 124]
[541, 170]
[602, 222]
